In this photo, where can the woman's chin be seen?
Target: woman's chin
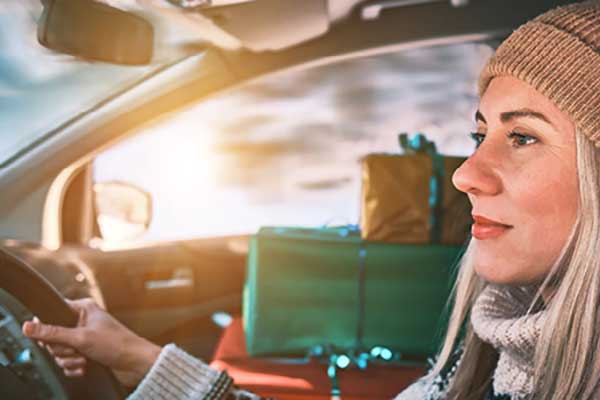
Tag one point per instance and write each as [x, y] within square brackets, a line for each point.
[494, 274]
[503, 274]
[492, 267]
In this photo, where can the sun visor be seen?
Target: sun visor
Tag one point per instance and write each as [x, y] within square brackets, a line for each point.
[272, 24]
[257, 25]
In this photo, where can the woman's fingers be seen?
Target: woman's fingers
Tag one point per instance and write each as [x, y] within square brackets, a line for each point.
[58, 350]
[72, 366]
[52, 334]
[74, 373]
[71, 363]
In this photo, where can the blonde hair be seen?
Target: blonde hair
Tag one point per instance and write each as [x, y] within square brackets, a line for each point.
[567, 360]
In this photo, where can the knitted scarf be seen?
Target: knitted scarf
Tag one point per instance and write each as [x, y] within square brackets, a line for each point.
[500, 317]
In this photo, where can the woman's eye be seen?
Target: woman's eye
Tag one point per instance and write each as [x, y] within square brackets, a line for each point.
[477, 138]
[520, 139]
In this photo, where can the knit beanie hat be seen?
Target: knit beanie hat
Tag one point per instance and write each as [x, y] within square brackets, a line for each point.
[558, 54]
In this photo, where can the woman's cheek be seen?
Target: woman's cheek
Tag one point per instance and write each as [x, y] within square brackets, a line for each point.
[546, 190]
[547, 209]
[542, 209]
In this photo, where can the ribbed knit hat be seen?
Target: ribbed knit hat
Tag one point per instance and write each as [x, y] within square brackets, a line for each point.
[558, 54]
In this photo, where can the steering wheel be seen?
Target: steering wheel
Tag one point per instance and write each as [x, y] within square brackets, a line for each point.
[26, 370]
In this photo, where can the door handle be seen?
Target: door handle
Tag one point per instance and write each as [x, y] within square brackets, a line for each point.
[182, 278]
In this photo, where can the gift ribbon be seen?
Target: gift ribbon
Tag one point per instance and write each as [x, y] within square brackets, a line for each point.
[339, 360]
[420, 144]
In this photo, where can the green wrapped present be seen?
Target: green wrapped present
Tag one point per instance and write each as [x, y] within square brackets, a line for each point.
[327, 287]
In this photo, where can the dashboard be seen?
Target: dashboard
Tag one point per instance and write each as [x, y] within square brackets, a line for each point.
[63, 268]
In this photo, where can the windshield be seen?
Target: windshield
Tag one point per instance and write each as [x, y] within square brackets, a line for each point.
[40, 90]
[285, 150]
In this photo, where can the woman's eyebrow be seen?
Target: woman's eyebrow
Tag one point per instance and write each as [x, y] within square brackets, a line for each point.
[520, 113]
[523, 113]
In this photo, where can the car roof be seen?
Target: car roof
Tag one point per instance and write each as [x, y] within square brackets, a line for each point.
[274, 25]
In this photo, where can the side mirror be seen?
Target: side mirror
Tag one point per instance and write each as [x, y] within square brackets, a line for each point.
[123, 211]
[95, 31]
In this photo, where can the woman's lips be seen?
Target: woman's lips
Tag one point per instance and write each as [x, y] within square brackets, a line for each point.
[485, 228]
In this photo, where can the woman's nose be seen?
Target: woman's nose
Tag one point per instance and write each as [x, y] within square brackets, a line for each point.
[477, 175]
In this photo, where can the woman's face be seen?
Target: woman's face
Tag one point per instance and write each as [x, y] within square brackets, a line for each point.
[521, 181]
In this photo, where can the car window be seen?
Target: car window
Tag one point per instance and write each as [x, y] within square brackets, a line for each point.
[285, 150]
[40, 90]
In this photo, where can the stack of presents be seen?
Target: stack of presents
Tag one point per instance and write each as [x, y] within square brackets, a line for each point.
[354, 312]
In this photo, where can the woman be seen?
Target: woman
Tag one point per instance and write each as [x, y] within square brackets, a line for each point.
[525, 320]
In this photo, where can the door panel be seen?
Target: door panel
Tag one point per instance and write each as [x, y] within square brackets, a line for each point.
[169, 274]
[168, 292]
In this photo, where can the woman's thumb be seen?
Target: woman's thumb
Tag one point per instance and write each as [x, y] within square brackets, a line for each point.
[50, 333]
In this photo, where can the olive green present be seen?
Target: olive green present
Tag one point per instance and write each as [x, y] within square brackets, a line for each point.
[410, 198]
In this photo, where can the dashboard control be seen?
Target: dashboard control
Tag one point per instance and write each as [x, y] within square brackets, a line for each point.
[23, 360]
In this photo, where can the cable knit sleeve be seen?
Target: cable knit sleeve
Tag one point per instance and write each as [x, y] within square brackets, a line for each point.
[178, 375]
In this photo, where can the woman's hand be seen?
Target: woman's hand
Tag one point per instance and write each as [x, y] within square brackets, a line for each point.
[100, 337]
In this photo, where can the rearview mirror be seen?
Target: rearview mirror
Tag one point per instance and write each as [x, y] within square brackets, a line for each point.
[123, 211]
[95, 31]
